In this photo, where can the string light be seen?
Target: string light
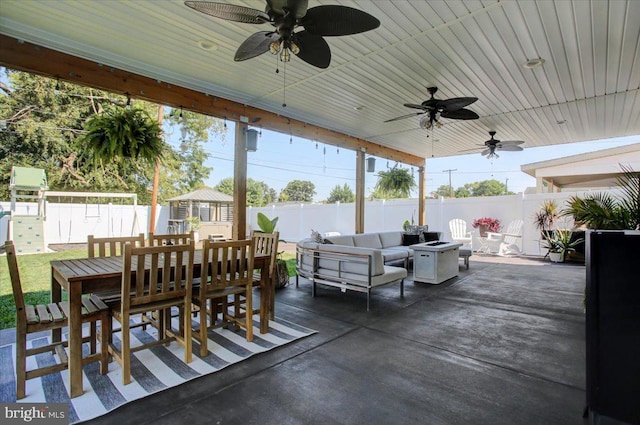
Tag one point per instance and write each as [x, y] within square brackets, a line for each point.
[128, 105]
[57, 89]
[225, 122]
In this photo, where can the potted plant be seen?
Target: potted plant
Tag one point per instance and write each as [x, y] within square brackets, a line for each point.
[486, 224]
[121, 133]
[268, 225]
[560, 243]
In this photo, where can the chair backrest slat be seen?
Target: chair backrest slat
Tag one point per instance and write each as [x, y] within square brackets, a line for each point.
[227, 263]
[109, 247]
[267, 243]
[170, 239]
[162, 273]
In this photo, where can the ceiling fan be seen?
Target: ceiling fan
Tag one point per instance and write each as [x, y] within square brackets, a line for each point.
[286, 16]
[436, 109]
[491, 146]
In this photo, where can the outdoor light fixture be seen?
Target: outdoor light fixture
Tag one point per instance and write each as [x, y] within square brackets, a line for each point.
[371, 164]
[128, 105]
[534, 63]
[252, 140]
[288, 47]
[57, 89]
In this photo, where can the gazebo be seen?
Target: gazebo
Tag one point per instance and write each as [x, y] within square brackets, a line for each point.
[213, 208]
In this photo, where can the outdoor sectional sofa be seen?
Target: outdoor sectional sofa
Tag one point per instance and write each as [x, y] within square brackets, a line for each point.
[354, 262]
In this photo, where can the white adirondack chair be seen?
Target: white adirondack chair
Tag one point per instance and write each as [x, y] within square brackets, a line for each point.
[459, 233]
[506, 243]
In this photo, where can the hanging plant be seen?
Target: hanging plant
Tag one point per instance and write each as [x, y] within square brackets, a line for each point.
[123, 133]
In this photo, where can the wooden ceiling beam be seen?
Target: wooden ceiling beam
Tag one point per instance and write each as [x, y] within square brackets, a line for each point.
[28, 57]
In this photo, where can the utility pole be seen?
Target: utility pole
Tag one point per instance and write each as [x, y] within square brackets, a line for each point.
[506, 186]
[450, 187]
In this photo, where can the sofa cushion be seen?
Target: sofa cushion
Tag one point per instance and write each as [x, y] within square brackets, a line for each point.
[346, 240]
[377, 264]
[395, 253]
[390, 238]
[367, 240]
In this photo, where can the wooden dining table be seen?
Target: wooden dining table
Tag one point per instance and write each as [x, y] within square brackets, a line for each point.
[98, 274]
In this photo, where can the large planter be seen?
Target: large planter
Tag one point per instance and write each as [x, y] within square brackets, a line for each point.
[556, 257]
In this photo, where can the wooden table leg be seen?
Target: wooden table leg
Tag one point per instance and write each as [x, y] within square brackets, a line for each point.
[265, 295]
[75, 339]
[56, 297]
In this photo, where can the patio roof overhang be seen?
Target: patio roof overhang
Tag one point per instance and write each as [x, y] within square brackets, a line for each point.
[588, 87]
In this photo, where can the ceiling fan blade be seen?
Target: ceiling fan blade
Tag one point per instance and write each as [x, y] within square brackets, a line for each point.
[229, 12]
[460, 114]
[413, 105]
[512, 148]
[297, 7]
[255, 45]
[313, 49]
[335, 20]
[485, 152]
[405, 116]
[456, 103]
[511, 142]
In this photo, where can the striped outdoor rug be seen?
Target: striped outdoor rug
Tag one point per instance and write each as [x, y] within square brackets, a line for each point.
[152, 370]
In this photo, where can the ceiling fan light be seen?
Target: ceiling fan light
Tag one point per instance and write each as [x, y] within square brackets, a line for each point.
[294, 48]
[425, 122]
[274, 47]
[285, 56]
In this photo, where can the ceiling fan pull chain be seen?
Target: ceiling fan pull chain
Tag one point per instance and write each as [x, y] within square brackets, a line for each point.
[284, 84]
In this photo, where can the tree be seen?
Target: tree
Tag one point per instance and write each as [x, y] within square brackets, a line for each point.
[442, 191]
[259, 193]
[298, 191]
[44, 118]
[396, 182]
[486, 188]
[341, 194]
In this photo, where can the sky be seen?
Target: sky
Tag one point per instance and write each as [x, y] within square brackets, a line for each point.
[281, 158]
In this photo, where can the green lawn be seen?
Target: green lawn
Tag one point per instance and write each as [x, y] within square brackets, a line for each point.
[35, 274]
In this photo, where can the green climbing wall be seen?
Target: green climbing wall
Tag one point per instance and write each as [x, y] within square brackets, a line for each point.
[28, 233]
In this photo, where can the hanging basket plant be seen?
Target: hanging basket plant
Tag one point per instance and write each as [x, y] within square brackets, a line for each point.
[123, 133]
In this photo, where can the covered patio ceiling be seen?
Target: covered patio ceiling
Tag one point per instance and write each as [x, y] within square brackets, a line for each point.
[587, 88]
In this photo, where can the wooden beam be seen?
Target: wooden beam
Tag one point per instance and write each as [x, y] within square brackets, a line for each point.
[28, 57]
[240, 183]
[422, 218]
[360, 191]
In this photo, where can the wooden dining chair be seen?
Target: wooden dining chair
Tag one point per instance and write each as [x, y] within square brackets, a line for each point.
[227, 270]
[112, 246]
[267, 244]
[170, 239]
[154, 279]
[36, 318]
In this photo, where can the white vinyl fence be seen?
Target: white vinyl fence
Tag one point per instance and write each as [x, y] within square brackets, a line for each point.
[72, 223]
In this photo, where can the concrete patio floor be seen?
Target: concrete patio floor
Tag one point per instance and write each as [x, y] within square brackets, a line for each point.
[503, 343]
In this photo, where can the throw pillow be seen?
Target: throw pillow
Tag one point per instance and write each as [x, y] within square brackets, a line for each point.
[408, 239]
[430, 236]
[316, 236]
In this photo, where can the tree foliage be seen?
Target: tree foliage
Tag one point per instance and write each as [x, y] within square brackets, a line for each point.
[482, 188]
[396, 182]
[298, 191]
[342, 194]
[259, 193]
[43, 120]
[608, 212]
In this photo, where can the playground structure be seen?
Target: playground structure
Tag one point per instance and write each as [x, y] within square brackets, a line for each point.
[29, 231]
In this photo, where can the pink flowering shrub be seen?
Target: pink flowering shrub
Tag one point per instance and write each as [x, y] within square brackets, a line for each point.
[491, 224]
